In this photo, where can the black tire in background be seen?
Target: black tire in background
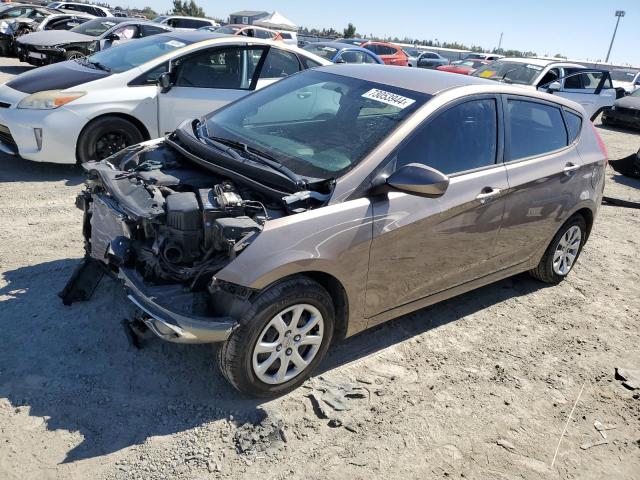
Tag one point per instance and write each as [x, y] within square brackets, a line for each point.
[235, 356]
[106, 136]
[545, 271]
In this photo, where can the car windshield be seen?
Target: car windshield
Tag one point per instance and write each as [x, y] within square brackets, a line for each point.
[228, 30]
[413, 53]
[323, 51]
[158, 19]
[635, 93]
[317, 124]
[133, 54]
[510, 72]
[622, 75]
[94, 28]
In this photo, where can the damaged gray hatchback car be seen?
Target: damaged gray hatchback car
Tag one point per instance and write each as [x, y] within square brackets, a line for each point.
[332, 201]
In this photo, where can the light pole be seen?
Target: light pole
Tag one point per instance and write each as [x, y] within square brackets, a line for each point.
[619, 14]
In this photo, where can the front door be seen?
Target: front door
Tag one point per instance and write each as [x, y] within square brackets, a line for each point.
[422, 246]
[205, 81]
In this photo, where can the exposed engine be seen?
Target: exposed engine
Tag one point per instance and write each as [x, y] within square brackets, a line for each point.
[171, 220]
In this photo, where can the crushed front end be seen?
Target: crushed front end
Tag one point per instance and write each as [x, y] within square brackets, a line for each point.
[164, 226]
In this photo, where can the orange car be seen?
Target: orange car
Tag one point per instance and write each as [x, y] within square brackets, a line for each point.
[389, 53]
[249, 31]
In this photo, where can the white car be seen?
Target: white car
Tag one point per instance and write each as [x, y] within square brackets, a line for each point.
[185, 23]
[95, 10]
[91, 108]
[590, 88]
[629, 80]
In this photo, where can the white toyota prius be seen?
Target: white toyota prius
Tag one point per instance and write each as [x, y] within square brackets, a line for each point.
[91, 108]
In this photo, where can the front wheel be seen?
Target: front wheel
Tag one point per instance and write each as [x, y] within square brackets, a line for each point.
[281, 339]
[73, 55]
[106, 136]
[563, 251]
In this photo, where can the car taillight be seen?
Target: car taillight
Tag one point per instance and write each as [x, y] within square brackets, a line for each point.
[603, 147]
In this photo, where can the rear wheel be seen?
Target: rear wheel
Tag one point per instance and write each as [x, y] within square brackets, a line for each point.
[106, 136]
[563, 252]
[281, 339]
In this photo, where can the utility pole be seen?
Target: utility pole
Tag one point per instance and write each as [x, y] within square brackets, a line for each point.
[500, 42]
[619, 14]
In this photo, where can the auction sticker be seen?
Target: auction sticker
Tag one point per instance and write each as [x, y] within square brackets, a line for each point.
[389, 98]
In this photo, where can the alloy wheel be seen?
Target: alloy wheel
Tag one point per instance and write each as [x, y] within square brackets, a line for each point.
[287, 344]
[111, 143]
[567, 250]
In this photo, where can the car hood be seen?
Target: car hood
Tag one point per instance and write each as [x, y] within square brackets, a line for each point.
[628, 102]
[50, 38]
[58, 76]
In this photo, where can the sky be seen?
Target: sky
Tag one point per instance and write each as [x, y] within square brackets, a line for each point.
[579, 29]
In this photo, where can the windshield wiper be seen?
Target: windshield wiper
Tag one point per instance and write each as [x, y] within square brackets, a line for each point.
[257, 156]
[97, 65]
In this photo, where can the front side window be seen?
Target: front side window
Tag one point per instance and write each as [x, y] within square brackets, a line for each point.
[534, 129]
[279, 64]
[462, 138]
[228, 68]
[318, 124]
[127, 32]
[353, 56]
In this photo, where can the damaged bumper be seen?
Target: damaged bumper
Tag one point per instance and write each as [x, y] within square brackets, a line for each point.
[167, 323]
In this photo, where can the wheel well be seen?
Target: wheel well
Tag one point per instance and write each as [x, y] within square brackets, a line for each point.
[141, 127]
[339, 297]
[587, 214]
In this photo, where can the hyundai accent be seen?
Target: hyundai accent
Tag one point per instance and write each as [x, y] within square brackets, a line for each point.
[332, 201]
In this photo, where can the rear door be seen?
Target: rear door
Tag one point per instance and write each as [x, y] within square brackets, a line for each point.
[422, 246]
[543, 169]
[207, 80]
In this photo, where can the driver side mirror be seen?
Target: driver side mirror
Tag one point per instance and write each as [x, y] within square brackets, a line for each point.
[554, 87]
[165, 82]
[113, 37]
[415, 179]
[341, 60]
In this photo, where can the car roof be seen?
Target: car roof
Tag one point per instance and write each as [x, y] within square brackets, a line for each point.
[540, 62]
[416, 79]
[198, 39]
[337, 45]
[187, 17]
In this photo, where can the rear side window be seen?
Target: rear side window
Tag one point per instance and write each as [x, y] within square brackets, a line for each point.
[534, 129]
[574, 124]
[279, 64]
[464, 137]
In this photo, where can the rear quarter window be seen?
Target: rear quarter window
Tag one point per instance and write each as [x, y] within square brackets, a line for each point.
[534, 129]
[574, 125]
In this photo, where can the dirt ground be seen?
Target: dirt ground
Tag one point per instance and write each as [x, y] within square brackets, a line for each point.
[476, 387]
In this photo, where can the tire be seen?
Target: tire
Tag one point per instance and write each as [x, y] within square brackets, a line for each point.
[547, 271]
[237, 357]
[73, 55]
[105, 137]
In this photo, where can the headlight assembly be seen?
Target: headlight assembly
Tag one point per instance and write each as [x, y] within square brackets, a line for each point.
[49, 100]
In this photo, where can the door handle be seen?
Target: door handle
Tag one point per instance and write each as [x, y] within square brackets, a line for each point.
[487, 194]
[569, 168]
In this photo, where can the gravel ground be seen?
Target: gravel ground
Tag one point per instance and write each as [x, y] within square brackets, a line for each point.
[476, 387]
